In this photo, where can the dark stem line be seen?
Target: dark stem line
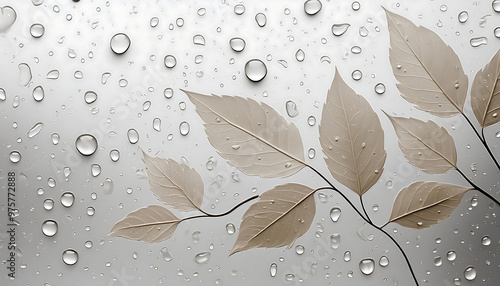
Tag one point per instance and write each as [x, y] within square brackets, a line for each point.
[364, 210]
[477, 187]
[224, 213]
[483, 140]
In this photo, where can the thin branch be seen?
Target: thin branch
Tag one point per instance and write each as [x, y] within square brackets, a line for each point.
[477, 187]
[482, 139]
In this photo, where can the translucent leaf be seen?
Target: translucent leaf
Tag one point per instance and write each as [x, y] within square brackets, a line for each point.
[485, 93]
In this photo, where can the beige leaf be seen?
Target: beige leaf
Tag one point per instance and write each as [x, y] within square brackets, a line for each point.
[423, 204]
[174, 184]
[278, 218]
[351, 137]
[150, 224]
[251, 136]
[425, 144]
[485, 93]
[429, 71]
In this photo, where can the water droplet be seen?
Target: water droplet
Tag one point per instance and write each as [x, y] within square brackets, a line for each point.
[15, 156]
[239, 9]
[355, 5]
[16, 101]
[470, 273]
[157, 124]
[363, 31]
[3, 95]
[347, 256]
[24, 74]
[339, 29]
[375, 208]
[311, 153]
[379, 88]
[165, 254]
[367, 266]
[184, 128]
[473, 167]
[312, 7]
[476, 42]
[38, 93]
[154, 22]
[201, 11]
[86, 144]
[199, 40]
[496, 32]
[88, 244]
[457, 281]
[311, 120]
[299, 249]
[291, 109]
[357, 75]
[300, 55]
[8, 17]
[486, 240]
[273, 269]
[170, 61]
[237, 44]
[289, 277]
[53, 74]
[356, 50]
[114, 155]
[119, 43]
[335, 214]
[230, 228]
[463, 17]
[90, 97]
[438, 261]
[326, 59]
[48, 204]
[133, 136]
[261, 19]
[202, 257]
[49, 227]
[35, 129]
[384, 261]
[90, 211]
[37, 30]
[451, 255]
[335, 240]
[67, 199]
[496, 5]
[104, 77]
[255, 70]
[70, 257]
[179, 22]
[95, 170]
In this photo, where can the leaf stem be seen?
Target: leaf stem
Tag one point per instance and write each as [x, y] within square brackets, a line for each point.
[477, 187]
[483, 140]
[363, 207]
[224, 213]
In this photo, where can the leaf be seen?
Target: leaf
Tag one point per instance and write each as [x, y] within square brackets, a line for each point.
[278, 218]
[485, 93]
[351, 137]
[429, 71]
[174, 184]
[423, 204]
[425, 144]
[150, 224]
[251, 136]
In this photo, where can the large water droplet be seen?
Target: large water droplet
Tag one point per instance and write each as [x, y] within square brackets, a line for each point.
[170, 61]
[463, 17]
[347, 256]
[451, 255]
[48, 204]
[38, 93]
[273, 269]
[157, 124]
[202, 257]
[312, 7]
[438, 261]
[291, 109]
[154, 22]
[486, 240]
[90, 211]
[165, 254]
[67, 199]
[356, 50]
[49, 227]
[90, 97]
[237, 44]
[339, 29]
[15, 156]
[300, 55]
[367, 266]
[86, 144]
[355, 6]
[70, 257]
[261, 19]
[379, 88]
[37, 30]
[496, 5]
[496, 32]
[35, 129]
[7, 18]
[53, 74]
[357, 75]
[230, 228]
[255, 70]
[476, 42]
[114, 155]
[95, 170]
[335, 214]
[335, 240]
[470, 273]
[363, 31]
[120, 43]
[199, 40]
[239, 9]
[184, 128]
[3, 94]
[311, 120]
[24, 74]
[384, 261]
[133, 136]
[299, 249]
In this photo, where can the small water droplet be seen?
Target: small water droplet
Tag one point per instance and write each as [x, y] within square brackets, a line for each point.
[375, 208]
[157, 124]
[339, 29]
[86, 144]
[347, 256]
[255, 70]
[379, 88]
[24, 74]
[311, 120]
[335, 214]
[70, 257]
[335, 240]
[165, 254]
[363, 31]
[49, 227]
[300, 55]
[199, 40]
[48, 204]
[184, 128]
[88, 244]
[154, 22]
[438, 261]
[356, 50]
[463, 17]
[202, 257]
[496, 32]
[367, 266]
[239, 9]
[289, 277]
[261, 19]
[237, 44]
[37, 30]
[90, 97]
[312, 7]
[168, 93]
[114, 155]
[90, 211]
[179, 22]
[311, 153]
[3, 94]
[291, 109]
[95, 169]
[104, 77]
[201, 11]
[67, 199]
[299, 249]
[15, 156]
[451, 255]
[53, 74]
[470, 273]
[170, 61]
[38, 93]
[355, 6]
[325, 59]
[119, 43]
[133, 136]
[384, 261]
[357, 75]
[486, 240]
[273, 269]
[230, 228]
[476, 42]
